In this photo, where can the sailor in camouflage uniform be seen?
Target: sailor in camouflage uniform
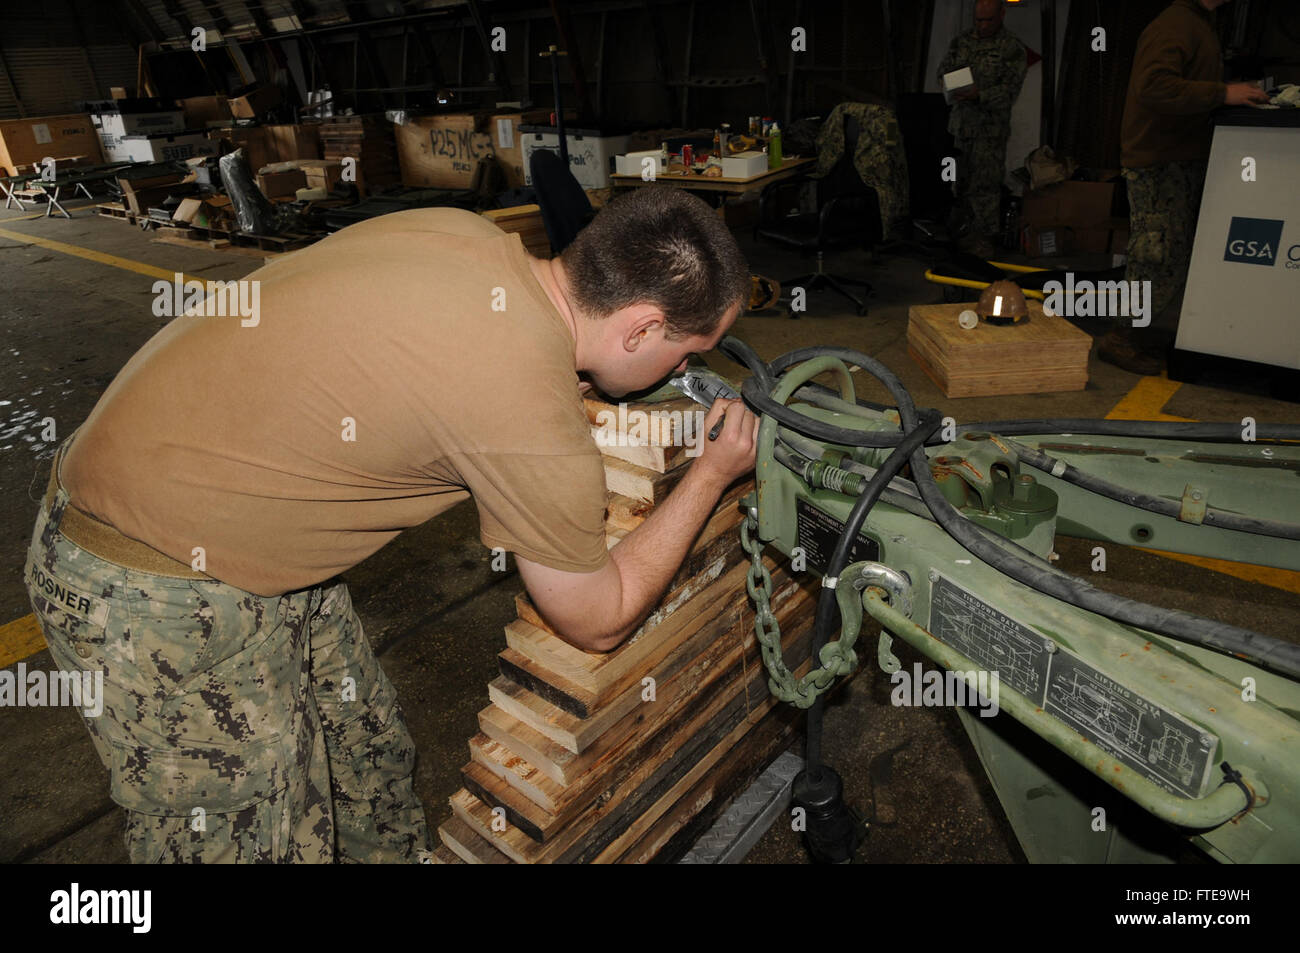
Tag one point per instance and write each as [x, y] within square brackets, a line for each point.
[981, 116]
[236, 728]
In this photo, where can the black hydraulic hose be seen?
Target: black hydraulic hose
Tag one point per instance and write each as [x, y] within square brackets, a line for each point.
[1263, 650]
[1152, 504]
[1268, 652]
[827, 609]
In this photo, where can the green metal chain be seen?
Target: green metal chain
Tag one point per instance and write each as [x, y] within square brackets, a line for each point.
[837, 658]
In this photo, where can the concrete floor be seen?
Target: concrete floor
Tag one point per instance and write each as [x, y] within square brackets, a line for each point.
[433, 608]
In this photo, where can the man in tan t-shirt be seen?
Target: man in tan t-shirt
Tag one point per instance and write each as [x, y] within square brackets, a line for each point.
[238, 463]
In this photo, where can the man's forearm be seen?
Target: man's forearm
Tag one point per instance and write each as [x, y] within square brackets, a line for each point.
[649, 556]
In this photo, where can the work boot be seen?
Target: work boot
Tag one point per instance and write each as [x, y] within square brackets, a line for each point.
[1119, 348]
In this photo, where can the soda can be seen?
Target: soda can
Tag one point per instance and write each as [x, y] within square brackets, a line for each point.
[688, 157]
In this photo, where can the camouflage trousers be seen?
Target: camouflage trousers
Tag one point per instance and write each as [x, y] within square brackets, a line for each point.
[1164, 201]
[979, 182]
[235, 727]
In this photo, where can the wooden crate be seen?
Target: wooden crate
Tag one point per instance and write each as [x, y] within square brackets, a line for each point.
[1042, 355]
[25, 142]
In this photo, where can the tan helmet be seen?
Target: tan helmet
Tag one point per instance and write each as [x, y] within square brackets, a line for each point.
[1002, 302]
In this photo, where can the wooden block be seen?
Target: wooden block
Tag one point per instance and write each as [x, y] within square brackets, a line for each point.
[717, 670]
[696, 811]
[658, 459]
[469, 847]
[600, 727]
[442, 854]
[639, 483]
[637, 793]
[625, 512]
[719, 539]
[1044, 354]
[559, 691]
[664, 424]
[604, 675]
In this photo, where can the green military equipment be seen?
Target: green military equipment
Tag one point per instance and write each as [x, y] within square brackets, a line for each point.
[1194, 722]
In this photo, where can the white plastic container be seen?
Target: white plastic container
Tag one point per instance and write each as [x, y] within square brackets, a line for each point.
[744, 165]
[591, 153]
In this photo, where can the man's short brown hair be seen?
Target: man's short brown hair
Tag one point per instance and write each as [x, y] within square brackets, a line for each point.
[661, 246]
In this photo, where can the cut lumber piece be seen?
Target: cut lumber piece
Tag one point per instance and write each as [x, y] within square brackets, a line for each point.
[681, 826]
[442, 854]
[673, 784]
[520, 810]
[671, 759]
[718, 538]
[625, 512]
[666, 424]
[517, 771]
[638, 482]
[647, 456]
[716, 671]
[557, 690]
[606, 675]
[468, 847]
[551, 757]
[577, 735]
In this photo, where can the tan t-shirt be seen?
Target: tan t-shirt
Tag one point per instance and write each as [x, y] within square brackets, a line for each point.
[426, 335]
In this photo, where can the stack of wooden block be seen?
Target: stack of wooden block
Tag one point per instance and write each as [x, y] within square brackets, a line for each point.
[369, 140]
[628, 756]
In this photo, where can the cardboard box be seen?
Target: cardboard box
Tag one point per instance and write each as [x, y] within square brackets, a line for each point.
[632, 163]
[201, 111]
[25, 142]
[141, 193]
[744, 165]
[322, 173]
[214, 212]
[281, 184]
[955, 82]
[441, 152]
[507, 142]
[252, 139]
[118, 92]
[1046, 241]
[288, 142]
[185, 145]
[252, 103]
[1077, 204]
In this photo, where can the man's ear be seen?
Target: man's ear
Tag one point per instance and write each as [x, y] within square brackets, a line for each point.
[643, 322]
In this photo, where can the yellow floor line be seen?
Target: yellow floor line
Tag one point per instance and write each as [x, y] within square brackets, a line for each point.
[1285, 579]
[103, 258]
[20, 639]
[1146, 401]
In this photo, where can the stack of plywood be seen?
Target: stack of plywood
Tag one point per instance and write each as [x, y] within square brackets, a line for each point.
[368, 140]
[628, 756]
[1044, 354]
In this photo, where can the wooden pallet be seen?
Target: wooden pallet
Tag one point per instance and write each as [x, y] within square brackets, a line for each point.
[110, 210]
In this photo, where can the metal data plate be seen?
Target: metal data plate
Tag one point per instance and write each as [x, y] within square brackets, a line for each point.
[1159, 744]
[818, 533]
